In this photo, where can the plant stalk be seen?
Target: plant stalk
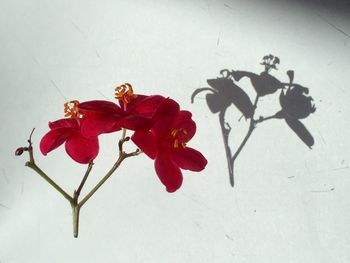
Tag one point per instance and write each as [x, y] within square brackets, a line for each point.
[103, 180]
[76, 213]
[76, 206]
[49, 180]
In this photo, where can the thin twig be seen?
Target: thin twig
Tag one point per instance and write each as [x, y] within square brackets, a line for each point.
[108, 174]
[30, 147]
[123, 134]
[31, 164]
[49, 180]
[122, 156]
[102, 181]
[77, 192]
[74, 200]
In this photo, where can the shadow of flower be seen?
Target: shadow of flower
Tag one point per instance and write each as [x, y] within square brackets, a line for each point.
[224, 92]
[296, 105]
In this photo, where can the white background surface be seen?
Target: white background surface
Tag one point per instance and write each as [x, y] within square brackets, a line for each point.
[282, 208]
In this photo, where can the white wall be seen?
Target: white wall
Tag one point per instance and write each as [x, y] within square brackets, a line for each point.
[282, 209]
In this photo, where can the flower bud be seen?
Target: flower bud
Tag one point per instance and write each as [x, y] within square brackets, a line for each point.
[19, 151]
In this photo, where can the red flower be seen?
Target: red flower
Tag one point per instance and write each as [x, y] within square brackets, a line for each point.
[134, 112]
[166, 143]
[80, 148]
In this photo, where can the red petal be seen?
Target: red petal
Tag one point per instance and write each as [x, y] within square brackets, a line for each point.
[149, 105]
[189, 159]
[64, 123]
[168, 173]
[164, 117]
[94, 126]
[54, 138]
[185, 121]
[98, 107]
[146, 141]
[134, 122]
[81, 149]
[133, 103]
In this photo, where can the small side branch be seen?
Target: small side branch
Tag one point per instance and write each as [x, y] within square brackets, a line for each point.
[75, 204]
[30, 147]
[77, 192]
[31, 164]
[122, 156]
[49, 180]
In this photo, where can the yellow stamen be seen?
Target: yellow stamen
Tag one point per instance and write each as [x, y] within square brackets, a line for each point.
[180, 138]
[71, 109]
[125, 93]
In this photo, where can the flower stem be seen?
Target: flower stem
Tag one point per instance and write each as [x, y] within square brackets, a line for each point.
[122, 155]
[123, 134]
[74, 203]
[31, 163]
[76, 206]
[30, 147]
[49, 180]
[76, 213]
[101, 182]
[77, 192]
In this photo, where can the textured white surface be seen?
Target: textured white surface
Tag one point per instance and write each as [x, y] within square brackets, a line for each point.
[282, 208]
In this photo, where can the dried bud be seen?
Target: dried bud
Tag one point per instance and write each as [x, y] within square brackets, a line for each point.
[19, 151]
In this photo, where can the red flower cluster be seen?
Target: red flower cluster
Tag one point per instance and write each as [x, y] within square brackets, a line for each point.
[161, 131]
[166, 143]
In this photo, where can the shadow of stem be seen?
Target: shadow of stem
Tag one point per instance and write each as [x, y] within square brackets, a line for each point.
[225, 133]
